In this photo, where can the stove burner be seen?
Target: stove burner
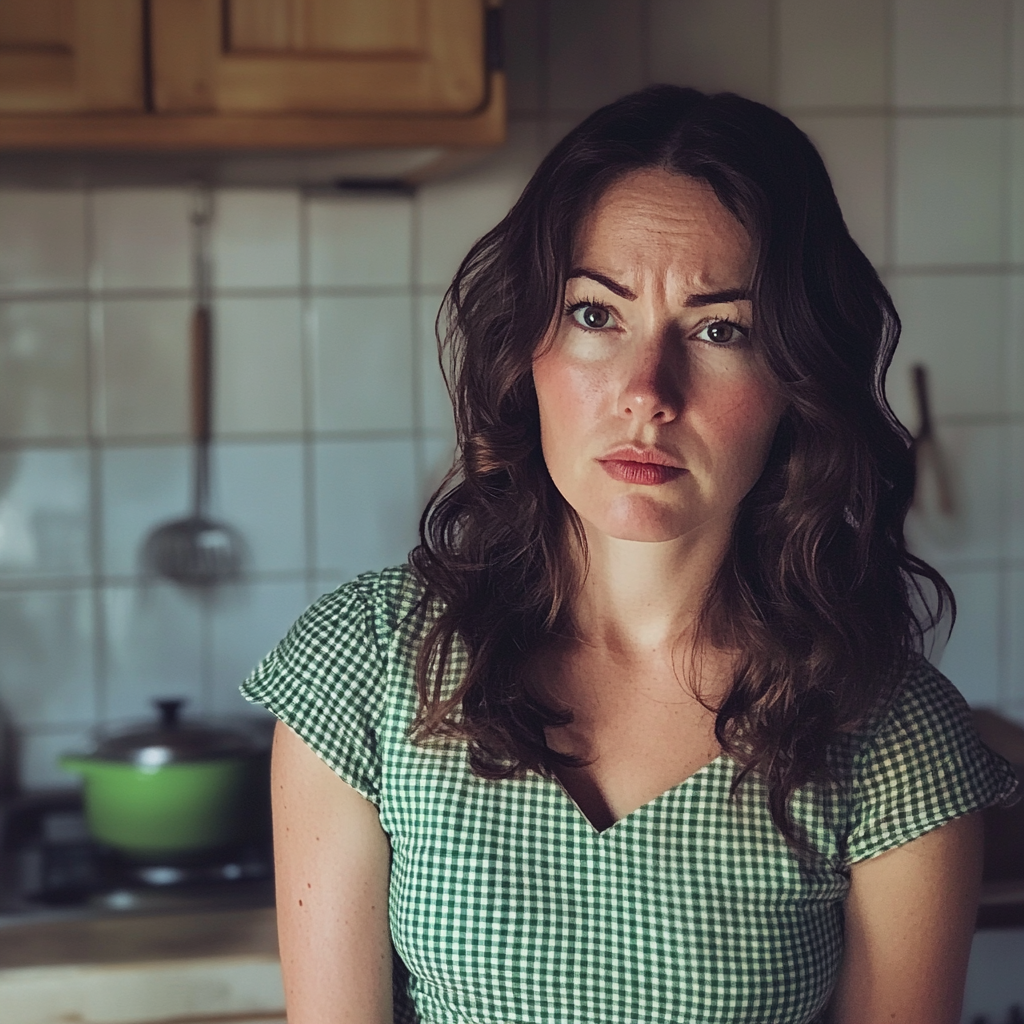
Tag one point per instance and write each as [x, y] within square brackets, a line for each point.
[49, 861]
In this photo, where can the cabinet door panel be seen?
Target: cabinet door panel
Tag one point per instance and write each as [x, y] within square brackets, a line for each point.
[66, 56]
[381, 28]
[318, 56]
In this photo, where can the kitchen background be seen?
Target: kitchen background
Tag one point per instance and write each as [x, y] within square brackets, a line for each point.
[332, 425]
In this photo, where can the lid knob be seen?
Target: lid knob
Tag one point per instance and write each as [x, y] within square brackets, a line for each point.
[169, 710]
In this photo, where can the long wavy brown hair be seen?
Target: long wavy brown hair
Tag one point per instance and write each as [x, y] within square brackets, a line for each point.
[817, 590]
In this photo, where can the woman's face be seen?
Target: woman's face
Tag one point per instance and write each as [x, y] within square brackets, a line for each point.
[656, 416]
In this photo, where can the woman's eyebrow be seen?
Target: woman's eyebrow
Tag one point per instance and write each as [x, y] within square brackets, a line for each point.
[613, 286]
[708, 299]
[713, 298]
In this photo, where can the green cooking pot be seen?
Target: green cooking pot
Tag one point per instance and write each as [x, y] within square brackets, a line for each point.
[169, 789]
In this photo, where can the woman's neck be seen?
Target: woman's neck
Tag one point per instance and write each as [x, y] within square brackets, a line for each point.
[639, 599]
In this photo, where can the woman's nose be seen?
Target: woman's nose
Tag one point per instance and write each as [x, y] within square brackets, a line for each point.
[653, 380]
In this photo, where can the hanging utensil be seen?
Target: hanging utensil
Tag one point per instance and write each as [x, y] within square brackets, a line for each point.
[198, 551]
[930, 462]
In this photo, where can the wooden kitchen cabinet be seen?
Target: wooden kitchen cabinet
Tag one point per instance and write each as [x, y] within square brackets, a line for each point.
[303, 56]
[64, 56]
[234, 75]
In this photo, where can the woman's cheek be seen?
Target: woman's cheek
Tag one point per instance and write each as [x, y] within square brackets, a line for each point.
[570, 392]
[743, 414]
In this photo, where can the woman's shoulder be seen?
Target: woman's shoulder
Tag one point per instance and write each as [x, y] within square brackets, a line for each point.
[922, 699]
[919, 762]
[345, 631]
[327, 679]
[373, 606]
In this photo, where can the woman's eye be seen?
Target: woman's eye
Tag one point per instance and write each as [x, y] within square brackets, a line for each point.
[593, 318]
[721, 332]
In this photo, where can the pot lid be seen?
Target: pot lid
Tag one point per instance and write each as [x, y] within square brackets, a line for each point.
[172, 741]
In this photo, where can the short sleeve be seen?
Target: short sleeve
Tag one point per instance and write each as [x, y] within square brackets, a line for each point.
[327, 681]
[924, 766]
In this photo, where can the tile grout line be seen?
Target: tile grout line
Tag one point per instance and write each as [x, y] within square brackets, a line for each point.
[1002, 440]
[95, 326]
[543, 26]
[774, 52]
[645, 23]
[889, 181]
[309, 335]
[416, 308]
[123, 443]
[142, 294]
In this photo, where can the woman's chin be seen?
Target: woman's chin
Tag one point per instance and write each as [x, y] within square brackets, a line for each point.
[649, 523]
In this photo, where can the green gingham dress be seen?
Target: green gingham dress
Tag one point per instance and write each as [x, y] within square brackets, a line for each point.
[508, 907]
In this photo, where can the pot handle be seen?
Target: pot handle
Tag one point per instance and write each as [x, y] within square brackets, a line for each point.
[169, 710]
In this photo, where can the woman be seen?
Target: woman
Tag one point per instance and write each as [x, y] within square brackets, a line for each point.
[643, 733]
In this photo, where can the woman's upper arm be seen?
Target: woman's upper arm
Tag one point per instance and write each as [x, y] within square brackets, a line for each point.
[332, 864]
[910, 917]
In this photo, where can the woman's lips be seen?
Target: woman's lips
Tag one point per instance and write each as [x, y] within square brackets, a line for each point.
[631, 472]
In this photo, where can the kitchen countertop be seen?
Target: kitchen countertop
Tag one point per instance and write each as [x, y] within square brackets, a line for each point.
[135, 939]
[135, 969]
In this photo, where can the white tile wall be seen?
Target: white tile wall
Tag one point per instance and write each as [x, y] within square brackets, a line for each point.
[1015, 128]
[972, 656]
[832, 53]
[973, 457]
[260, 490]
[438, 458]
[435, 404]
[43, 370]
[255, 241]
[956, 325]
[154, 647]
[366, 505]
[258, 365]
[595, 52]
[855, 151]
[950, 53]
[332, 421]
[42, 240]
[1016, 38]
[695, 43]
[139, 488]
[1015, 346]
[1013, 616]
[143, 340]
[41, 750]
[1015, 501]
[44, 514]
[47, 639]
[142, 238]
[525, 69]
[452, 214]
[363, 242]
[363, 363]
[244, 626]
[949, 193]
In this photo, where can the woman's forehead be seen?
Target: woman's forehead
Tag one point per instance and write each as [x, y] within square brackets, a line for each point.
[655, 222]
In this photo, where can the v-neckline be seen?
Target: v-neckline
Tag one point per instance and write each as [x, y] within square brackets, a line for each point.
[594, 830]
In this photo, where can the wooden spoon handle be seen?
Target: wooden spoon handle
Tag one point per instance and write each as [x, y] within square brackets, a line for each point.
[202, 376]
[924, 411]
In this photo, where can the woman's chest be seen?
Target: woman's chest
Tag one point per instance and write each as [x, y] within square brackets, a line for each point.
[506, 904]
[641, 736]
[634, 757]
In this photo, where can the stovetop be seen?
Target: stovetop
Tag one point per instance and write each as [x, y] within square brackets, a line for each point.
[50, 868]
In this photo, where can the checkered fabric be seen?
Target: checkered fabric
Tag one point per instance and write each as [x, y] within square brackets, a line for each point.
[507, 906]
